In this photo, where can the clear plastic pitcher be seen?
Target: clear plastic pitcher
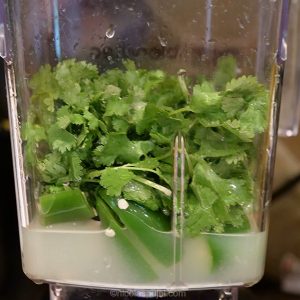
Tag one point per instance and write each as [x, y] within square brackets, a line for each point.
[143, 137]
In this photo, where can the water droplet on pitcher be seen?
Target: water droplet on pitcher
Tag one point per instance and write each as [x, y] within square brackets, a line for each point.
[163, 42]
[203, 57]
[107, 262]
[110, 32]
[240, 23]
[247, 19]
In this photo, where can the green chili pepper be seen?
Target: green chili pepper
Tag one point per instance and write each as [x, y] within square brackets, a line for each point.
[65, 206]
[136, 261]
[151, 228]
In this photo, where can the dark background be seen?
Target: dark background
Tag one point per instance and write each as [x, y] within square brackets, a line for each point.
[14, 285]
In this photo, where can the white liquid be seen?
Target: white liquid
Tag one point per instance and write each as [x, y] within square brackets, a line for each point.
[82, 254]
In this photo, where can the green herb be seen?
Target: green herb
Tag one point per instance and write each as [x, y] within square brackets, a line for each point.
[114, 133]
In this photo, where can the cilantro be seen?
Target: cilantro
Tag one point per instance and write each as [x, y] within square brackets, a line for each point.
[45, 88]
[113, 133]
[60, 139]
[225, 72]
[75, 167]
[115, 179]
[52, 167]
[118, 147]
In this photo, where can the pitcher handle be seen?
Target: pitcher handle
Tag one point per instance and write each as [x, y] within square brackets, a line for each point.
[290, 100]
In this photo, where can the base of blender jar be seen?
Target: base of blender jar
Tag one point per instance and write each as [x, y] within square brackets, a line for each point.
[229, 294]
[63, 292]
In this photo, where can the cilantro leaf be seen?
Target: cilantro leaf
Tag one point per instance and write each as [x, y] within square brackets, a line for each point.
[199, 219]
[93, 122]
[225, 72]
[52, 167]
[160, 117]
[244, 86]
[205, 98]
[232, 105]
[233, 191]
[65, 118]
[45, 88]
[117, 107]
[60, 139]
[33, 133]
[114, 186]
[75, 80]
[75, 167]
[119, 147]
[120, 125]
[219, 143]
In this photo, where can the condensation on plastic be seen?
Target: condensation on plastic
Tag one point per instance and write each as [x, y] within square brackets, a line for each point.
[290, 102]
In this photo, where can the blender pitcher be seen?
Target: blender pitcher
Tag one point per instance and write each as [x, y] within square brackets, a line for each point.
[143, 136]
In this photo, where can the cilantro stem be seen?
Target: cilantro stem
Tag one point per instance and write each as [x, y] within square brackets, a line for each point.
[163, 156]
[143, 169]
[154, 185]
[183, 85]
[102, 125]
[192, 124]
[180, 110]
[97, 173]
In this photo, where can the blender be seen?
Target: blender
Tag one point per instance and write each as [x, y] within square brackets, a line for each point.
[143, 137]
